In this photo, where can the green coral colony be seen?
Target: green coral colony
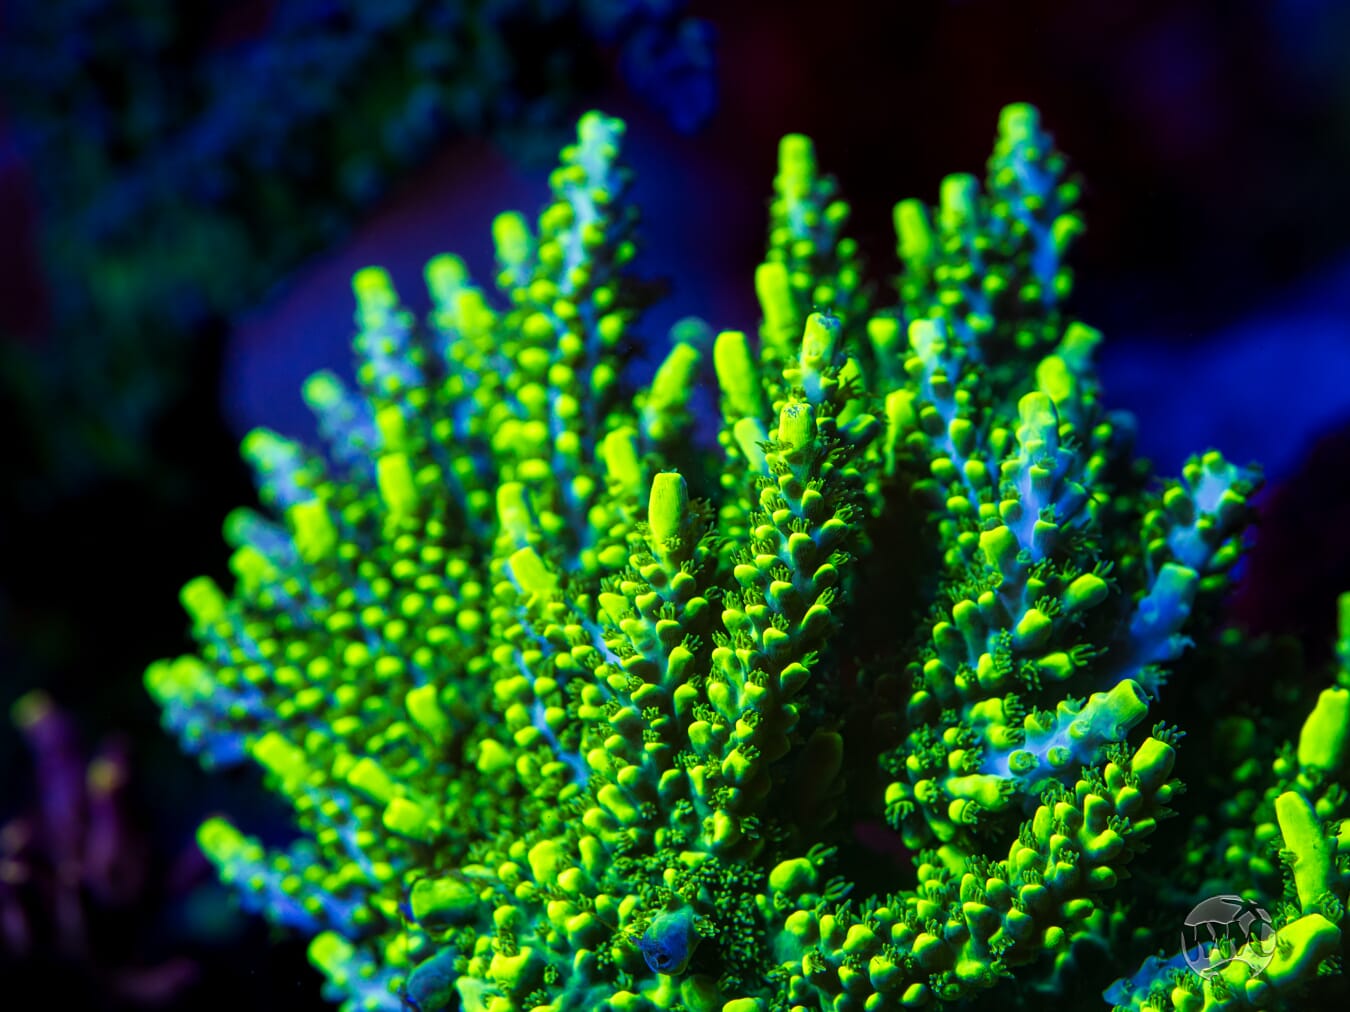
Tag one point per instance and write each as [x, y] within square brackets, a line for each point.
[576, 710]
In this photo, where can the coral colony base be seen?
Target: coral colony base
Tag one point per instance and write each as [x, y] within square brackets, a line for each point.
[576, 713]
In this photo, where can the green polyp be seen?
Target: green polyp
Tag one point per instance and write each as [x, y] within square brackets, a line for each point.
[750, 438]
[511, 238]
[1300, 947]
[1019, 121]
[700, 993]
[425, 710]
[611, 330]
[439, 903]
[282, 759]
[796, 161]
[204, 601]
[1039, 421]
[445, 275]
[220, 841]
[796, 428]
[315, 536]
[737, 375]
[667, 507]
[986, 789]
[884, 333]
[1054, 379]
[546, 860]
[1322, 742]
[531, 573]
[368, 777]
[515, 514]
[613, 798]
[614, 606]
[1077, 345]
[330, 953]
[252, 569]
[492, 757]
[925, 335]
[1087, 591]
[1000, 547]
[622, 464]
[373, 288]
[321, 389]
[913, 232]
[393, 428]
[393, 474]
[674, 380]
[1032, 630]
[180, 679]
[957, 201]
[1311, 849]
[818, 341]
[411, 819]
[1127, 705]
[1152, 763]
[793, 876]
[775, 297]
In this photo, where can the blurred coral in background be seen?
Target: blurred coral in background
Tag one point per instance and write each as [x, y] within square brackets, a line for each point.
[77, 883]
[184, 157]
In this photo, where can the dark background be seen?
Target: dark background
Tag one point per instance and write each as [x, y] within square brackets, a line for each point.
[1215, 144]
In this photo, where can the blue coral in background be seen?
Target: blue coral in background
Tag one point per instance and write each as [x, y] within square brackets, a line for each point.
[666, 56]
[1248, 360]
[187, 157]
[574, 709]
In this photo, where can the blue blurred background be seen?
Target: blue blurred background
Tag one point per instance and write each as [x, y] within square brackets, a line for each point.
[185, 190]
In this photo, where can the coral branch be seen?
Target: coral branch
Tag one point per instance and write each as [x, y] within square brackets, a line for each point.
[563, 704]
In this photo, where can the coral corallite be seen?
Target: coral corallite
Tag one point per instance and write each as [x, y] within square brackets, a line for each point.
[576, 711]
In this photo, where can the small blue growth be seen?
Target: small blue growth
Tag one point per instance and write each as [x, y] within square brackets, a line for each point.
[669, 941]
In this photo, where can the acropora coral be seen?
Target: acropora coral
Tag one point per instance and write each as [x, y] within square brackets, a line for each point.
[578, 711]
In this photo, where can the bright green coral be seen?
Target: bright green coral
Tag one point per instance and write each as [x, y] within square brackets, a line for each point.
[575, 712]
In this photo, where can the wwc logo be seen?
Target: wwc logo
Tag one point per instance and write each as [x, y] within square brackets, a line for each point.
[1227, 929]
